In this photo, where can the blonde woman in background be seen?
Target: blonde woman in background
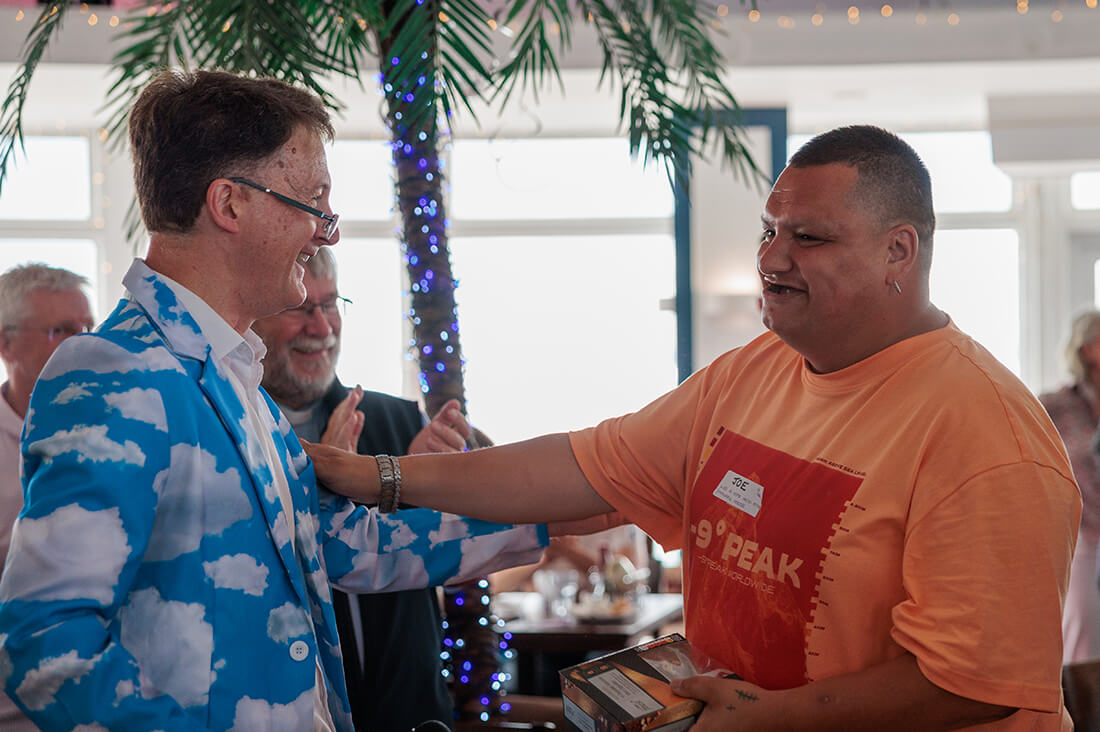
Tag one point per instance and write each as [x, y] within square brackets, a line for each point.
[1075, 410]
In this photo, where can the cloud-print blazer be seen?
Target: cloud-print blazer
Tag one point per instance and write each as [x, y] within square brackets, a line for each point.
[151, 583]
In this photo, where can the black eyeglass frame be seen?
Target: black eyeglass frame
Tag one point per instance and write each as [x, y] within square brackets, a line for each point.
[331, 220]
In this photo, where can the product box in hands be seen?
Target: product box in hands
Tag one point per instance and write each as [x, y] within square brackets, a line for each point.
[628, 691]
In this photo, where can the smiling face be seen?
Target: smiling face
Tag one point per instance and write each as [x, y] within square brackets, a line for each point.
[272, 266]
[302, 346]
[823, 267]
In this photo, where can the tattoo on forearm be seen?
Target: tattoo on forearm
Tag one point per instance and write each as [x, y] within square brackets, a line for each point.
[747, 696]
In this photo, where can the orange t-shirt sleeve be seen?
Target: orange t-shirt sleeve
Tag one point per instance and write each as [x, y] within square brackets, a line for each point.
[640, 462]
[982, 584]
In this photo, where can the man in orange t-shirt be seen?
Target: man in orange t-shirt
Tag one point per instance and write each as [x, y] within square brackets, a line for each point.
[877, 517]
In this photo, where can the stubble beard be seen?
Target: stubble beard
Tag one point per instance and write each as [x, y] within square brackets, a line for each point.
[287, 385]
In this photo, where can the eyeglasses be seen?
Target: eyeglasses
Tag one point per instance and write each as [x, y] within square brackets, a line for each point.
[53, 332]
[330, 308]
[331, 221]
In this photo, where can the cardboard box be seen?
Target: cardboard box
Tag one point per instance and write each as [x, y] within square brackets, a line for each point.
[628, 691]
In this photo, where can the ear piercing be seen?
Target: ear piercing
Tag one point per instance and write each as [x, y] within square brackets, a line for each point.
[897, 286]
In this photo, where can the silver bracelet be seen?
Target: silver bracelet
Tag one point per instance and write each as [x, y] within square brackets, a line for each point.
[389, 476]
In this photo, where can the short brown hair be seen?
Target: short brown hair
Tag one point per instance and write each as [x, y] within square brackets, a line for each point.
[189, 128]
[893, 183]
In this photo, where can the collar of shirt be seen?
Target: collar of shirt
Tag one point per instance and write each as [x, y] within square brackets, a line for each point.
[241, 353]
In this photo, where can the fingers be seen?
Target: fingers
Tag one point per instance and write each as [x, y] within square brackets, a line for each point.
[346, 422]
[447, 432]
[452, 416]
[705, 688]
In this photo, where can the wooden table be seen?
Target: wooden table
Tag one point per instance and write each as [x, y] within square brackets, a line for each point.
[541, 641]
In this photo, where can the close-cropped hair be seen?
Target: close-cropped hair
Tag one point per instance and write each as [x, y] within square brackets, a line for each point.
[894, 183]
[17, 283]
[1085, 330]
[190, 128]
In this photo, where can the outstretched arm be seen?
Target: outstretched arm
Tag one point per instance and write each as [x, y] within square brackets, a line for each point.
[532, 481]
[894, 695]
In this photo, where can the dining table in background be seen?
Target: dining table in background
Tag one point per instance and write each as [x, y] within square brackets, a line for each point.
[544, 643]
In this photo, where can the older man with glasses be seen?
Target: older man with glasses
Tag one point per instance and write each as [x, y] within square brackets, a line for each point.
[391, 641]
[40, 306]
[171, 569]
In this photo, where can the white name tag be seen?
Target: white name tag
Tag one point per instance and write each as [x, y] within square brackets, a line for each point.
[740, 492]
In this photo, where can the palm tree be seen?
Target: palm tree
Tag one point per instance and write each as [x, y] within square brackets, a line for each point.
[436, 57]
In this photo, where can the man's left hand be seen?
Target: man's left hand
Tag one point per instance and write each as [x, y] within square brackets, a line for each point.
[346, 422]
[447, 432]
[731, 704]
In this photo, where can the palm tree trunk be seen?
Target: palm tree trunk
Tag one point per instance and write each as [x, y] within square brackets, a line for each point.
[472, 657]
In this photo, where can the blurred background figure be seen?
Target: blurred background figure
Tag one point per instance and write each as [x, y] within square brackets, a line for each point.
[390, 641]
[1075, 410]
[40, 306]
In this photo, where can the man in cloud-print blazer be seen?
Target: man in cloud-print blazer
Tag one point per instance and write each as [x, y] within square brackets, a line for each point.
[152, 583]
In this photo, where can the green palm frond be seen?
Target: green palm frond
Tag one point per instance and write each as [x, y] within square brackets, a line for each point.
[434, 58]
[279, 39]
[11, 121]
[534, 54]
[671, 87]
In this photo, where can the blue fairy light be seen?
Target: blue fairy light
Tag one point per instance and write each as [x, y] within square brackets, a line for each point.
[440, 367]
[467, 666]
[484, 716]
[422, 136]
[443, 335]
[422, 163]
[448, 642]
[409, 97]
[483, 622]
[429, 177]
[433, 239]
[505, 707]
[430, 274]
[394, 61]
[427, 349]
[413, 259]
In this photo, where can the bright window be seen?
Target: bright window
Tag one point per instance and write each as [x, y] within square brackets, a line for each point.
[362, 180]
[554, 179]
[1084, 190]
[559, 333]
[986, 307]
[371, 274]
[53, 181]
